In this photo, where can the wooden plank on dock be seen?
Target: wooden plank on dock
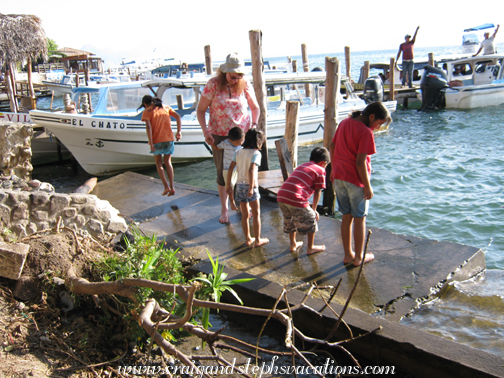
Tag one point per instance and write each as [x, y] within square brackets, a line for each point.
[270, 181]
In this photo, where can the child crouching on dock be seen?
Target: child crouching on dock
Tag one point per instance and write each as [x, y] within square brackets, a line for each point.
[247, 161]
[230, 145]
[161, 139]
[308, 179]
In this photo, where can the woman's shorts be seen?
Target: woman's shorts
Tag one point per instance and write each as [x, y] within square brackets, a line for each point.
[234, 177]
[164, 148]
[241, 193]
[350, 199]
[298, 219]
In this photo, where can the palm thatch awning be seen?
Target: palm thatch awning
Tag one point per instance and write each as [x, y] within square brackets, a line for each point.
[21, 37]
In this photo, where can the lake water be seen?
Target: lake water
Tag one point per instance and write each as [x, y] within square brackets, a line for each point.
[437, 175]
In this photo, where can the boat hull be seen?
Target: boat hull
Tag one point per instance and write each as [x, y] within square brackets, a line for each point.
[107, 145]
[474, 96]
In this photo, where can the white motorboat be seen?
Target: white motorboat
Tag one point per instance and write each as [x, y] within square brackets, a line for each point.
[475, 82]
[113, 138]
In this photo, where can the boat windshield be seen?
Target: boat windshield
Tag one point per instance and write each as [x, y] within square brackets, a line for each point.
[170, 97]
[122, 100]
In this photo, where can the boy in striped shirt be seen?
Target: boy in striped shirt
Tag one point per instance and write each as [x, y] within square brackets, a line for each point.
[308, 179]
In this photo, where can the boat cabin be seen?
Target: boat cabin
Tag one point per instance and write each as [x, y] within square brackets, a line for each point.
[484, 69]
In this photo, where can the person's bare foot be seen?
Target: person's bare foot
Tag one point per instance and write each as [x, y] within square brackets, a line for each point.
[224, 218]
[298, 245]
[171, 193]
[233, 206]
[260, 242]
[249, 242]
[369, 257]
[315, 249]
[167, 190]
[348, 260]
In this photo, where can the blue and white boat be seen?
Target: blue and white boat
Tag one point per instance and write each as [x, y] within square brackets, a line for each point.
[113, 138]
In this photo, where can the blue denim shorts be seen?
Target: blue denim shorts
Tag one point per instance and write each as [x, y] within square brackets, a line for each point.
[241, 193]
[164, 148]
[351, 199]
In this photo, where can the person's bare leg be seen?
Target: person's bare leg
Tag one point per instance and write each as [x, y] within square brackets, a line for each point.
[232, 203]
[161, 173]
[310, 248]
[346, 237]
[359, 234]
[256, 221]
[224, 218]
[169, 173]
[245, 223]
[293, 244]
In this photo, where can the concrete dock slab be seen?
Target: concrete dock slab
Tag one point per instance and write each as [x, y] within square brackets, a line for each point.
[407, 270]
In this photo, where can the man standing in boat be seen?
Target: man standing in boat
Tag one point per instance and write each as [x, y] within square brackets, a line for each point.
[407, 58]
[487, 45]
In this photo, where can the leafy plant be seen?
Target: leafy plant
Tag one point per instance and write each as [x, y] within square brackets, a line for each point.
[144, 258]
[215, 285]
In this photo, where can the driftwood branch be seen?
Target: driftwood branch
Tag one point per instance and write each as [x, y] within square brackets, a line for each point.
[154, 319]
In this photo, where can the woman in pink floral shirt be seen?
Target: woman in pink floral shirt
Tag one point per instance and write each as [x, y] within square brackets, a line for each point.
[229, 97]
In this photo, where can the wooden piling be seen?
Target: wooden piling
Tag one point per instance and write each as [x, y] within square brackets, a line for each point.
[365, 74]
[431, 59]
[294, 65]
[347, 62]
[333, 84]
[208, 60]
[30, 84]
[391, 79]
[255, 37]
[180, 102]
[292, 129]
[306, 68]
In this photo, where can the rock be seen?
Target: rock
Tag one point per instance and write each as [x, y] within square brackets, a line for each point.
[12, 259]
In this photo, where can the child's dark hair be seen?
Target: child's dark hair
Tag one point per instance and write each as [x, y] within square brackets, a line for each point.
[235, 134]
[319, 154]
[378, 109]
[146, 100]
[157, 102]
[253, 139]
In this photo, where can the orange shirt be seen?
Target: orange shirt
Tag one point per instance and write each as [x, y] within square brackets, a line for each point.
[160, 122]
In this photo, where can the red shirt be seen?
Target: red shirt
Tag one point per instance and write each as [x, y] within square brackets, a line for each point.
[407, 50]
[352, 137]
[301, 184]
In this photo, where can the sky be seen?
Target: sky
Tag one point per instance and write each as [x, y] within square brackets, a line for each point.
[180, 30]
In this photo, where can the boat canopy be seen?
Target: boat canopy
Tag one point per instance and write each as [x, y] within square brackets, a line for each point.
[480, 27]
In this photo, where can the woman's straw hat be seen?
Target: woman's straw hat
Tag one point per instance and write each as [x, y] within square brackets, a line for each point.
[233, 64]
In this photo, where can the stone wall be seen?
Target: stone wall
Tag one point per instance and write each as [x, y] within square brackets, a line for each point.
[25, 212]
[15, 149]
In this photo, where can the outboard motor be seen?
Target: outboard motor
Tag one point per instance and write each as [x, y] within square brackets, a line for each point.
[373, 89]
[433, 83]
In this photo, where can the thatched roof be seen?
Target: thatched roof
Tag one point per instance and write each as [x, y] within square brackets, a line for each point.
[71, 52]
[21, 36]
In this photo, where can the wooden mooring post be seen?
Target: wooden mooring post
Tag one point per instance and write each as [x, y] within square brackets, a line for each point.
[255, 37]
[347, 62]
[208, 60]
[391, 79]
[333, 84]
[306, 68]
[292, 129]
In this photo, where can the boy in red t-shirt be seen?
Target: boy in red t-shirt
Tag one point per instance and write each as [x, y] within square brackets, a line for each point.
[308, 179]
[161, 139]
[351, 150]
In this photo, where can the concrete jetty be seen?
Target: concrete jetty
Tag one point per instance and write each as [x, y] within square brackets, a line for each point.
[406, 271]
